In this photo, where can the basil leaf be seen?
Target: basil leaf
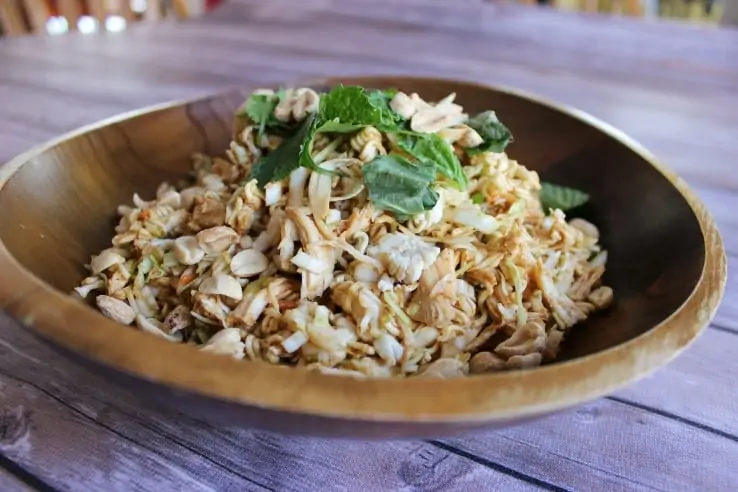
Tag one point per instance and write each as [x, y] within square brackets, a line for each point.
[495, 135]
[290, 155]
[554, 196]
[397, 185]
[433, 151]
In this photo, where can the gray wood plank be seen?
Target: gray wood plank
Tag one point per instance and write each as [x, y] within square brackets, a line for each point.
[70, 441]
[639, 451]
[67, 448]
[699, 386]
[11, 483]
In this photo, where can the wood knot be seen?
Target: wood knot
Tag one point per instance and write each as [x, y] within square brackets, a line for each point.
[14, 425]
[587, 414]
[429, 466]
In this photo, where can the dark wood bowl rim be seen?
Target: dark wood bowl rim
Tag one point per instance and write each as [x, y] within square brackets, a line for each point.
[60, 319]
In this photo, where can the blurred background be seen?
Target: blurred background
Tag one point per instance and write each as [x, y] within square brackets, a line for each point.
[18, 17]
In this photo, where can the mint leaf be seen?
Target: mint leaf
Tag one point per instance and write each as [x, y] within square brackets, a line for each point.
[335, 126]
[352, 105]
[399, 186]
[290, 155]
[346, 109]
[390, 120]
[554, 196]
[431, 150]
[306, 151]
[259, 108]
[342, 110]
[349, 105]
[379, 97]
[495, 135]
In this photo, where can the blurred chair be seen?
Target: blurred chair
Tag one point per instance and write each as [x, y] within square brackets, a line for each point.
[730, 13]
[633, 8]
[630, 8]
[18, 17]
[704, 11]
[701, 11]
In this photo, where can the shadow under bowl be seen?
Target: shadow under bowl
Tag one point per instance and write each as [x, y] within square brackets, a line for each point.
[666, 265]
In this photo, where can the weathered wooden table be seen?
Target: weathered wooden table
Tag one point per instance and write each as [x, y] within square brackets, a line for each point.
[674, 88]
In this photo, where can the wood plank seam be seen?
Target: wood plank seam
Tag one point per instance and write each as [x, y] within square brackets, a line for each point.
[725, 329]
[281, 487]
[497, 467]
[197, 452]
[630, 480]
[79, 413]
[672, 416]
[25, 476]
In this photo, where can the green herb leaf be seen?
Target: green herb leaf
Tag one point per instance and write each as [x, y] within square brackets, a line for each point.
[346, 110]
[342, 110]
[477, 198]
[306, 158]
[432, 150]
[382, 98]
[399, 186]
[336, 126]
[259, 108]
[390, 120]
[495, 135]
[354, 107]
[554, 196]
[287, 157]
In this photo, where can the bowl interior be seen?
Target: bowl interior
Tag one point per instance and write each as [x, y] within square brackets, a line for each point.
[60, 207]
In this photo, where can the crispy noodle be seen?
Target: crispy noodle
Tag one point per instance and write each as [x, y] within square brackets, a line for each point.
[307, 272]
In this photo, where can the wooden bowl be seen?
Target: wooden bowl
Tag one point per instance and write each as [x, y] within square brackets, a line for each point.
[666, 265]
